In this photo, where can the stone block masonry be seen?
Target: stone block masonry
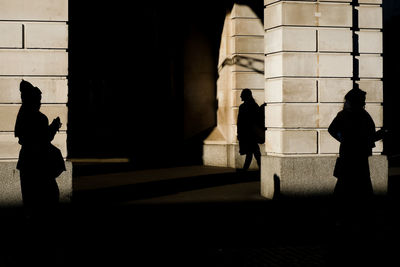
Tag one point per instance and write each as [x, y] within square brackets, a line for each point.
[241, 65]
[33, 47]
[309, 61]
[38, 10]
[314, 51]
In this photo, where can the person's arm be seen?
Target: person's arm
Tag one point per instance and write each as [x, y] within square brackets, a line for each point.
[54, 127]
[238, 127]
[239, 123]
[334, 129]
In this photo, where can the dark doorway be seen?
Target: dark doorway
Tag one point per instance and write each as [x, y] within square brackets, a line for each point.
[391, 18]
[134, 73]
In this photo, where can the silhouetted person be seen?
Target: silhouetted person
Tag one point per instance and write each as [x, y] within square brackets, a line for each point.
[354, 128]
[248, 125]
[39, 161]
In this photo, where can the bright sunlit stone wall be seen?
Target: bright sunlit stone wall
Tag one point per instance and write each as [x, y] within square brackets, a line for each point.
[33, 47]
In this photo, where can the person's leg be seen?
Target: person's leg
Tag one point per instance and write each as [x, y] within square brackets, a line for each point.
[247, 161]
[28, 194]
[257, 155]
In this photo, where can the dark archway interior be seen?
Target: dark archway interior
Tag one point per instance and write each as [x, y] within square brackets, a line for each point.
[142, 79]
[391, 19]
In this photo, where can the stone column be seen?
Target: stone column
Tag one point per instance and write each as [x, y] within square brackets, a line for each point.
[240, 65]
[33, 47]
[308, 70]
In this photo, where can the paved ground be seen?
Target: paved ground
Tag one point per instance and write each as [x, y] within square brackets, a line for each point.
[195, 216]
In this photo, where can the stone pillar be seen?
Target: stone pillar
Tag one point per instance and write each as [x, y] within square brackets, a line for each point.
[240, 65]
[33, 47]
[308, 70]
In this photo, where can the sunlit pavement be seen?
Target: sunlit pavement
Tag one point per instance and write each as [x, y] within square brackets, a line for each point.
[196, 216]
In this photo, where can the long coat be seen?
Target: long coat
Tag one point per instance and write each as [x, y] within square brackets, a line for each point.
[355, 130]
[37, 157]
[246, 127]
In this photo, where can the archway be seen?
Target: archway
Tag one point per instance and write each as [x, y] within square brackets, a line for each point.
[142, 85]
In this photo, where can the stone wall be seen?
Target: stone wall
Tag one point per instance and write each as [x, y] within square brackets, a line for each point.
[240, 65]
[308, 70]
[33, 46]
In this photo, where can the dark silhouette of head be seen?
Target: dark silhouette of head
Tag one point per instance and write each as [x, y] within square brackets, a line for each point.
[246, 95]
[30, 95]
[356, 97]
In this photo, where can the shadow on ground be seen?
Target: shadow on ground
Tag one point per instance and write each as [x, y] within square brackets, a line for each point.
[165, 187]
[110, 227]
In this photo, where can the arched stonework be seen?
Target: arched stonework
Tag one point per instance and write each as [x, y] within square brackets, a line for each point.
[311, 61]
[240, 65]
[308, 51]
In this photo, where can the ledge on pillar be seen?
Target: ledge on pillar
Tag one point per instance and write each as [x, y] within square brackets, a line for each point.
[305, 176]
[226, 155]
[217, 151]
[10, 188]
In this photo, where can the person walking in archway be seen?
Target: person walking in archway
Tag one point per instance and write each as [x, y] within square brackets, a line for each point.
[249, 130]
